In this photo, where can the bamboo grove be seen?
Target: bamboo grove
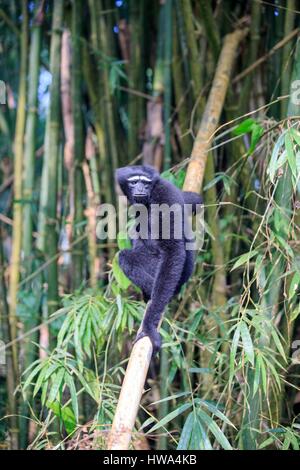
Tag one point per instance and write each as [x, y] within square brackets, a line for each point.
[208, 92]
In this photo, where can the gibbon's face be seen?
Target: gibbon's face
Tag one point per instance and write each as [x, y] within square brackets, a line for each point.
[140, 188]
[137, 182]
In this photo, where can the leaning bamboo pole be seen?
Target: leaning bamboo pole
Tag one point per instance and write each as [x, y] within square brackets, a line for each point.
[210, 119]
[138, 365]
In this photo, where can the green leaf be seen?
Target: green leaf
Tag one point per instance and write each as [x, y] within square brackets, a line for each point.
[71, 384]
[256, 133]
[186, 432]
[247, 343]
[201, 370]
[121, 278]
[244, 259]
[290, 154]
[35, 371]
[66, 414]
[256, 377]
[39, 381]
[272, 168]
[170, 416]
[263, 373]
[296, 135]
[278, 344]
[294, 285]
[244, 127]
[214, 428]
[214, 410]
[266, 443]
[295, 313]
[233, 350]
[56, 385]
[123, 241]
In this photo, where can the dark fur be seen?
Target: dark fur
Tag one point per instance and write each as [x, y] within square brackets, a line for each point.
[159, 267]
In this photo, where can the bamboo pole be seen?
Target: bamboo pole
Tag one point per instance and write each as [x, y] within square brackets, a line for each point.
[130, 396]
[195, 171]
[133, 384]
[18, 190]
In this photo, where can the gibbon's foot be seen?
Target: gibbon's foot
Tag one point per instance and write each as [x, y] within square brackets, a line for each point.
[154, 337]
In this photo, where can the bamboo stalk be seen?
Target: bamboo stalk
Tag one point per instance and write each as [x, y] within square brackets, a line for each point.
[210, 26]
[265, 57]
[193, 53]
[212, 113]
[78, 139]
[18, 193]
[179, 92]
[167, 83]
[286, 66]
[133, 384]
[29, 161]
[11, 379]
[135, 104]
[130, 396]
[47, 223]
[30, 134]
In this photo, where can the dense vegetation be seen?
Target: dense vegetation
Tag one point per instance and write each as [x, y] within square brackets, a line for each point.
[91, 86]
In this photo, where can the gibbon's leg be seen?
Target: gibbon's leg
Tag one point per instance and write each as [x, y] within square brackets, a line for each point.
[187, 269]
[168, 275]
[139, 266]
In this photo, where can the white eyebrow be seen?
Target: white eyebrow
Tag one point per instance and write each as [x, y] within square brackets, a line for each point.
[133, 178]
[144, 178]
[139, 178]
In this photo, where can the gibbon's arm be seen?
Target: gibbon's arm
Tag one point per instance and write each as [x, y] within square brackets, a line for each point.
[192, 198]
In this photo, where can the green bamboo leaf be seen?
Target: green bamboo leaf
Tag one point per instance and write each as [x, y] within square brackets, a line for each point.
[204, 439]
[123, 241]
[214, 410]
[65, 328]
[87, 338]
[233, 350]
[278, 344]
[295, 313]
[39, 381]
[68, 419]
[147, 422]
[244, 127]
[35, 371]
[171, 397]
[247, 343]
[256, 133]
[263, 373]
[186, 432]
[120, 277]
[244, 259]
[294, 285]
[290, 154]
[170, 416]
[267, 442]
[296, 135]
[256, 377]
[71, 384]
[56, 385]
[51, 369]
[214, 428]
[274, 157]
[44, 392]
